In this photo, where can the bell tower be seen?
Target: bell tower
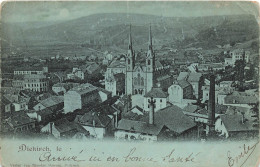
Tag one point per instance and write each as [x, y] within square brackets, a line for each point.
[130, 62]
[150, 63]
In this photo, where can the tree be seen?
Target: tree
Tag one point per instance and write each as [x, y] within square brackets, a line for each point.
[239, 70]
[249, 74]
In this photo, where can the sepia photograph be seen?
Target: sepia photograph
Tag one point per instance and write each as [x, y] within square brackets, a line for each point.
[127, 77]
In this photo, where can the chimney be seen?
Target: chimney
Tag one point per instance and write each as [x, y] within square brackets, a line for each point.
[51, 126]
[243, 117]
[93, 122]
[116, 121]
[151, 112]
[211, 103]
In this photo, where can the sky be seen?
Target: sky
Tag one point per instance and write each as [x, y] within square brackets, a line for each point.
[67, 10]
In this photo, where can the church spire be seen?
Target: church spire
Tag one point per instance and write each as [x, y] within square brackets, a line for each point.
[130, 38]
[150, 38]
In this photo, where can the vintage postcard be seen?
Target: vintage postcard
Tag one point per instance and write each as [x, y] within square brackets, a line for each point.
[129, 83]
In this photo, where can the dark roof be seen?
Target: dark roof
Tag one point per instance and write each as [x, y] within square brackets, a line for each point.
[156, 93]
[63, 125]
[66, 86]
[162, 78]
[52, 101]
[100, 120]
[45, 112]
[182, 76]
[240, 99]
[92, 68]
[5, 101]
[117, 64]
[183, 83]
[194, 77]
[173, 118]
[139, 126]
[191, 108]
[158, 64]
[233, 123]
[18, 119]
[84, 88]
[220, 109]
[29, 68]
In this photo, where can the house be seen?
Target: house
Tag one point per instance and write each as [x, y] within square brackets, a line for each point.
[116, 66]
[18, 81]
[77, 73]
[54, 103]
[166, 124]
[179, 91]
[104, 94]
[159, 96]
[62, 128]
[115, 83]
[93, 68]
[137, 130]
[225, 84]
[97, 124]
[236, 126]
[44, 115]
[164, 81]
[240, 99]
[220, 93]
[61, 88]
[5, 104]
[134, 113]
[196, 80]
[36, 82]
[81, 96]
[237, 54]
[30, 70]
[18, 122]
[18, 102]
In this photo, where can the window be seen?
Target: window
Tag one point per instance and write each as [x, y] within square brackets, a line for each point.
[142, 81]
[149, 62]
[135, 81]
[139, 79]
[129, 61]
[161, 100]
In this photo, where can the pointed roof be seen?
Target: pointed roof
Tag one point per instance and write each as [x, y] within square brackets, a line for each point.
[130, 39]
[156, 93]
[150, 44]
[173, 118]
[150, 38]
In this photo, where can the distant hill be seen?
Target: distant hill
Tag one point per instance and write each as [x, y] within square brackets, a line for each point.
[112, 30]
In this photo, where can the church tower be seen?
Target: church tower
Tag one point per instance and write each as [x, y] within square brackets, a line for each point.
[150, 64]
[130, 62]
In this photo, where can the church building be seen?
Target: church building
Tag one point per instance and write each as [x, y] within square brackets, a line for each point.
[141, 77]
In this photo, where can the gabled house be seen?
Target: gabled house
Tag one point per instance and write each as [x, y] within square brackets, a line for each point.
[18, 122]
[61, 88]
[236, 126]
[62, 128]
[179, 91]
[54, 103]
[97, 124]
[157, 94]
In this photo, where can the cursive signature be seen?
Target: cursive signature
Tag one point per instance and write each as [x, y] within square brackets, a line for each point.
[242, 156]
[47, 156]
